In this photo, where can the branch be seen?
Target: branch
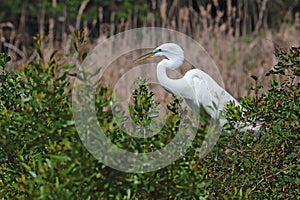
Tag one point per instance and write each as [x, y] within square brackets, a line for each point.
[80, 11]
[261, 15]
[14, 48]
[265, 178]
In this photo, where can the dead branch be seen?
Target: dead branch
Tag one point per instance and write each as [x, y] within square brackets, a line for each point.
[80, 12]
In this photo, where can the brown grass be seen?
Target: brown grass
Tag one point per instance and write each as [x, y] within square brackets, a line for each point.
[238, 55]
[237, 51]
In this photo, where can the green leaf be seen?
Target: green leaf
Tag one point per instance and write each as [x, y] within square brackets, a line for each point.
[69, 66]
[53, 54]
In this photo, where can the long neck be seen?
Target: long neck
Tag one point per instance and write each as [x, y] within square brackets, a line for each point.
[162, 76]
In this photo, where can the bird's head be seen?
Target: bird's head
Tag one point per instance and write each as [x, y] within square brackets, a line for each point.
[171, 51]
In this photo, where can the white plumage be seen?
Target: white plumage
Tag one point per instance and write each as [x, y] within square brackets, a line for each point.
[196, 87]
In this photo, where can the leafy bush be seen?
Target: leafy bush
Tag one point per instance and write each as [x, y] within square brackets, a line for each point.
[41, 155]
[37, 132]
[266, 164]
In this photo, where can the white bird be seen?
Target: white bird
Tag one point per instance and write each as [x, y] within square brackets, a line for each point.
[197, 88]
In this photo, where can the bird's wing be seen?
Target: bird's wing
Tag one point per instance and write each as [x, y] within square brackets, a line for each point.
[213, 98]
[202, 92]
[209, 93]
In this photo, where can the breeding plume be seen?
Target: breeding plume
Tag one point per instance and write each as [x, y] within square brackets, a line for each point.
[198, 89]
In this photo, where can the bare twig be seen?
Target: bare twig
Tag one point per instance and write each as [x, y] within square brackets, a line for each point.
[261, 15]
[80, 11]
[163, 12]
[14, 48]
[240, 152]
[52, 24]
[266, 179]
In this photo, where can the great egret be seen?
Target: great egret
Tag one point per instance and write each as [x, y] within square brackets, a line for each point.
[197, 88]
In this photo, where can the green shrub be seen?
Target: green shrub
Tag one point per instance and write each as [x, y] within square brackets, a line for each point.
[42, 157]
[266, 164]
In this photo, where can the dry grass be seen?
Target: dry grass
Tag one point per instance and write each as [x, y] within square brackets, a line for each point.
[238, 52]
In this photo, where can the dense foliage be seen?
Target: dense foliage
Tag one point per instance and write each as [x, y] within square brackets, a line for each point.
[267, 163]
[41, 155]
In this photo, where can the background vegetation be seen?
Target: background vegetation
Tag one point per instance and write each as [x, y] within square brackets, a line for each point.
[241, 36]
[41, 155]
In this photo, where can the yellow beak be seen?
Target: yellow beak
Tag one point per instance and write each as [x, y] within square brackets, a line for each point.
[145, 56]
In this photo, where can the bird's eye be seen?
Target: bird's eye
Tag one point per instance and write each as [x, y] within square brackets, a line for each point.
[156, 50]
